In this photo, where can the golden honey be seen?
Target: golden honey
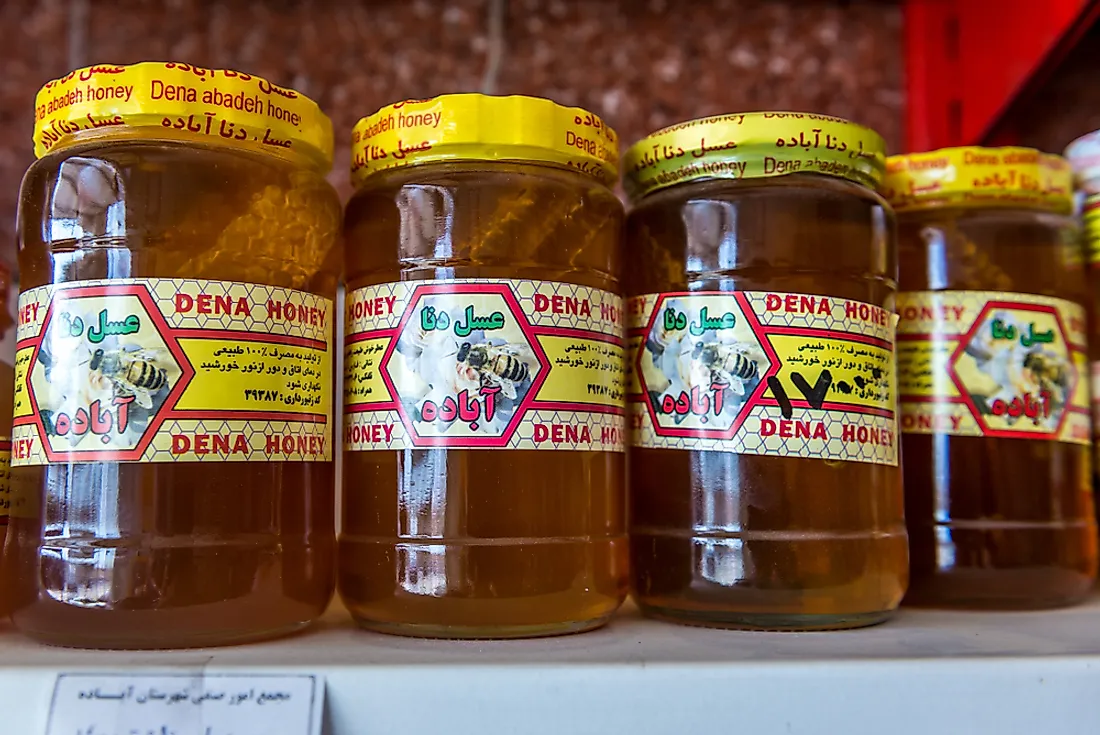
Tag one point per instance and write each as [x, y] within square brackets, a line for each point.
[172, 448]
[1083, 155]
[993, 375]
[483, 399]
[9, 291]
[765, 490]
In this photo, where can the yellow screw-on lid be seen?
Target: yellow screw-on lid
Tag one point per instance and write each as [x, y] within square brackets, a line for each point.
[754, 145]
[979, 177]
[1090, 217]
[477, 127]
[228, 106]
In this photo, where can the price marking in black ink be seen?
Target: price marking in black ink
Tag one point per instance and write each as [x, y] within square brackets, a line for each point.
[814, 396]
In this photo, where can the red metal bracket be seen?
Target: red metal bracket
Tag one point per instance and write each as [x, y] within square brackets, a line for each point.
[968, 60]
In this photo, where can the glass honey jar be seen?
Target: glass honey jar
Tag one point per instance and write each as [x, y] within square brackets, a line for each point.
[993, 368]
[172, 440]
[764, 489]
[9, 293]
[1083, 155]
[483, 475]
[1090, 216]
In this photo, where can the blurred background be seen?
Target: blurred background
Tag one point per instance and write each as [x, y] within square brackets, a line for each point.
[923, 73]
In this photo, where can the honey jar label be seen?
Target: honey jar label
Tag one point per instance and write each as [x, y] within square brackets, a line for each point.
[483, 364]
[1095, 395]
[5, 480]
[987, 363]
[172, 370]
[789, 375]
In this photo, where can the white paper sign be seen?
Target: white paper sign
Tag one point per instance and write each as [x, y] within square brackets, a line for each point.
[186, 704]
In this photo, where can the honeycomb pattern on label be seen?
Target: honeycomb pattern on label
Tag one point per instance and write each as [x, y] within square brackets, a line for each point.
[258, 295]
[399, 292]
[607, 431]
[255, 434]
[749, 440]
[523, 290]
[970, 304]
[600, 427]
[835, 319]
[165, 291]
[526, 291]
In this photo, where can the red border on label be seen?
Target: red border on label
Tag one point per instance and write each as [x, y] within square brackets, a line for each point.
[168, 411]
[510, 300]
[753, 398]
[167, 334]
[964, 340]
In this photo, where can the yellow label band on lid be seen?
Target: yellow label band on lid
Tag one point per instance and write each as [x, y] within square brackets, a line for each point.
[227, 106]
[477, 127]
[754, 145]
[979, 177]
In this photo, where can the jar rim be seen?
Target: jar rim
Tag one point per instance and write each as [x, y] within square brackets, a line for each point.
[471, 165]
[807, 178]
[754, 145]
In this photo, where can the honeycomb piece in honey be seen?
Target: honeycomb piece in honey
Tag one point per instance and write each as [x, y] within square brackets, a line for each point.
[506, 233]
[285, 236]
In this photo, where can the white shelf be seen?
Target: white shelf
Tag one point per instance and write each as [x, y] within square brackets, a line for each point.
[924, 672]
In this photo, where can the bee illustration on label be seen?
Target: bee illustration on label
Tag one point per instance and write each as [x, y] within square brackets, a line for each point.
[732, 364]
[501, 366]
[1020, 381]
[131, 373]
[1050, 372]
[456, 381]
[100, 375]
[700, 364]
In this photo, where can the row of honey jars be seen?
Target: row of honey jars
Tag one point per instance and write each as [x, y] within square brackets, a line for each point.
[762, 390]
[179, 273]
[766, 409]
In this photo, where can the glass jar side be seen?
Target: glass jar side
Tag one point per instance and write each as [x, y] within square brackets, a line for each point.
[136, 554]
[9, 292]
[464, 542]
[742, 538]
[996, 521]
[1090, 248]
